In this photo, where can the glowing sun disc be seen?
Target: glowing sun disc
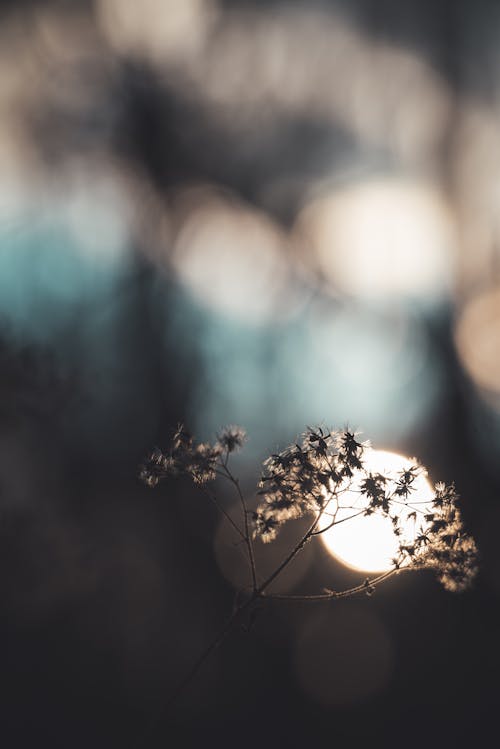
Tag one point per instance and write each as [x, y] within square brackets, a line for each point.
[368, 543]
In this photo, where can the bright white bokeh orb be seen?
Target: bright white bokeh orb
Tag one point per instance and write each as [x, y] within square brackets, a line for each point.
[368, 543]
[380, 237]
[232, 258]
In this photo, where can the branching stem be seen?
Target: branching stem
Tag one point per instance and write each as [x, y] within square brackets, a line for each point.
[246, 535]
[228, 517]
[309, 478]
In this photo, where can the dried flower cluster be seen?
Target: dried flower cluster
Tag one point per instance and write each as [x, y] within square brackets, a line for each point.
[304, 477]
[325, 468]
[444, 545]
[185, 457]
[318, 476]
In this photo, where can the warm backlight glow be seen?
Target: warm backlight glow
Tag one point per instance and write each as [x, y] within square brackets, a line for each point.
[476, 337]
[232, 258]
[381, 236]
[368, 543]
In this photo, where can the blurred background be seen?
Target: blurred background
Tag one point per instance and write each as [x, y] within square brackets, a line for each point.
[265, 213]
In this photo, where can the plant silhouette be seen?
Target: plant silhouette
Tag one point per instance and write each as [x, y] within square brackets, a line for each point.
[314, 478]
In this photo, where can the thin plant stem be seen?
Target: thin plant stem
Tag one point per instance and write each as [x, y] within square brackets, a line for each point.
[330, 594]
[212, 647]
[239, 611]
[259, 592]
[337, 522]
[218, 639]
[247, 536]
[298, 546]
[228, 517]
[295, 482]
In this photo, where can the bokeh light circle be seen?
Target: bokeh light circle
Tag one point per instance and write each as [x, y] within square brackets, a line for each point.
[368, 543]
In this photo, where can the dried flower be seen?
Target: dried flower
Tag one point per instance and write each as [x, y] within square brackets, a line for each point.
[154, 468]
[232, 438]
[445, 547]
[266, 526]
[312, 476]
[197, 461]
[202, 462]
[321, 474]
[301, 478]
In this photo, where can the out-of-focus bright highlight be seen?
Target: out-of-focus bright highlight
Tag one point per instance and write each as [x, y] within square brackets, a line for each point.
[164, 31]
[386, 236]
[368, 543]
[476, 336]
[231, 258]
